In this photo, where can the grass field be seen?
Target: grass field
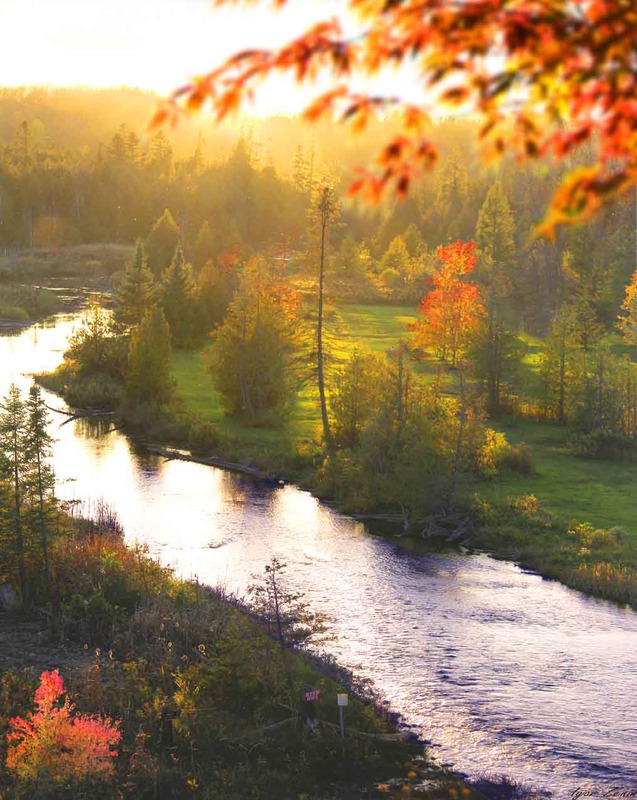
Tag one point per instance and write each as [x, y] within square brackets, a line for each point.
[571, 488]
[375, 328]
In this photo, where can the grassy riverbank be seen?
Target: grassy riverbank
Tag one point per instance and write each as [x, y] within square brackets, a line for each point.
[209, 705]
[24, 276]
[568, 517]
[556, 519]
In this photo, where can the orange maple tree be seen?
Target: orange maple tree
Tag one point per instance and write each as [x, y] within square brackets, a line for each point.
[542, 76]
[56, 743]
[451, 312]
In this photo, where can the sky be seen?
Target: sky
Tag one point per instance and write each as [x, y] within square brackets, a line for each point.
[151, 44]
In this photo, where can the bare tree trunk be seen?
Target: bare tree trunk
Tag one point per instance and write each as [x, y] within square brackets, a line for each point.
[320, 356]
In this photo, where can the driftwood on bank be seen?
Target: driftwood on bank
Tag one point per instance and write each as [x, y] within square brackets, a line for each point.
[82, 413]
[451, 528]
[211, 461]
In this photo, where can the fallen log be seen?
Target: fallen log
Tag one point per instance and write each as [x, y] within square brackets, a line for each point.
[173, 454]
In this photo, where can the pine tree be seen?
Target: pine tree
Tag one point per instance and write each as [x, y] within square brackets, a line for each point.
[148, 377]
[204, 246]
[38, 442]
[12, 467]
[136, 291]
[496, 244]
[161, 243]
[253, 359]
[178, 299]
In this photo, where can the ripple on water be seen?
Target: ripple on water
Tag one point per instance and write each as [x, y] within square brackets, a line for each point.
[506, 672]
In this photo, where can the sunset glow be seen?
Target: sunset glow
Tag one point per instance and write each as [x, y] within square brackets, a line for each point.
[151, 44]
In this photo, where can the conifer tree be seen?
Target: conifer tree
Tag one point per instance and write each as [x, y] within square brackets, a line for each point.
[12, 469]
[41, 484]
[148, 377]
[136, 291]
[495, 239]
[178, 300]
[204, 246]
[161, 243]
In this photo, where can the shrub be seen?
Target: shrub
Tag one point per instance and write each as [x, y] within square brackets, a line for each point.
[518, 459]
[55, 743]
[203, 437]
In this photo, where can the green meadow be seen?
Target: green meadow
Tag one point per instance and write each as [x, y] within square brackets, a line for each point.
[571, 488]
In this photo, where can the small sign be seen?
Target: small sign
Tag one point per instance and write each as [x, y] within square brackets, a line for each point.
[315, 694]
[341, 700]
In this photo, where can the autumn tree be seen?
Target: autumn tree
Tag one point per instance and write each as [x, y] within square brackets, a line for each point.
[450, 313]
[354, 395]
[542, 79]
[628, 317]
[57, 744]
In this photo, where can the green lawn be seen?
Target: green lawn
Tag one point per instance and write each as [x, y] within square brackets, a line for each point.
[376, 328]
[574, 489]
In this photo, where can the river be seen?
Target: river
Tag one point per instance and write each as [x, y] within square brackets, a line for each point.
[503, 672]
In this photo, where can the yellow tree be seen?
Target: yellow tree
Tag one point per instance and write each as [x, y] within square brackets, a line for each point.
[628, 317]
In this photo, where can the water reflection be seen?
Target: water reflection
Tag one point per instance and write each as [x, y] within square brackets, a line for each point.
[506, 673]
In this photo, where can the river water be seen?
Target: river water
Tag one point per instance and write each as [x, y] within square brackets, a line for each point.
[503, 672]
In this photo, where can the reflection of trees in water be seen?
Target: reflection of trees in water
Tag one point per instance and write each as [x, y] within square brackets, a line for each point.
[242, 490]
[94, 427]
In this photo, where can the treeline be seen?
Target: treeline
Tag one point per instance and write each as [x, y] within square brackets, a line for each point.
[250, 188]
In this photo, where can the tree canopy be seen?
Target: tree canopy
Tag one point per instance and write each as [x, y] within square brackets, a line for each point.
[543, 78]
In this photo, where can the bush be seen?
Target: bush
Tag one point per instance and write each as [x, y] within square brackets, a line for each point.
[518, 459]
[98, 390]
[203, 437]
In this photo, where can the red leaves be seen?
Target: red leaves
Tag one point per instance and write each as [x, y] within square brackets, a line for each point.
[56, 743]
[452, 310]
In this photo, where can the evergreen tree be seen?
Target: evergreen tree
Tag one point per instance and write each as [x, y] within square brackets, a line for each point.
[161, 243]
[560, 364]
[254, 356]
[136, 291]
[13, 422]
[204, 246]
[324, 214]
[496, 244]
[178, 299]
[38, 443]
[148, 377]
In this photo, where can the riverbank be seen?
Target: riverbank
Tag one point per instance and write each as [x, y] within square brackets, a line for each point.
[209, 703]
[566, 517]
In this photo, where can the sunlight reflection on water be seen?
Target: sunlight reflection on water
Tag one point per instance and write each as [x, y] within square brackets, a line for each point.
[505, 673]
